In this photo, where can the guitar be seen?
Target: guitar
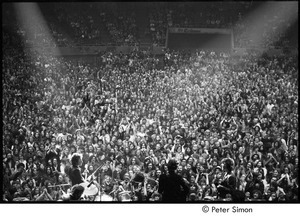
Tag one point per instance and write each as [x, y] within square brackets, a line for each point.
[91, 187]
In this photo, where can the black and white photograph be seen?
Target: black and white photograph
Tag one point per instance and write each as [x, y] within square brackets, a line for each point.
[150, 102]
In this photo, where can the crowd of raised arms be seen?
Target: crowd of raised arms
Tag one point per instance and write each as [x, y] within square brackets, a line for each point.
[128, 118]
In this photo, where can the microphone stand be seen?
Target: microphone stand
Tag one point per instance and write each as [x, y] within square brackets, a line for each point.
[100, 185]
[112, 180]
[91, 176]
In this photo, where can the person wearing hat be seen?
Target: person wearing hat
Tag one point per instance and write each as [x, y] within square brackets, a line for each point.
[170, 185]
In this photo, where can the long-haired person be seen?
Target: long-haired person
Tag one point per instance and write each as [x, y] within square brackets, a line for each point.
[74, 172]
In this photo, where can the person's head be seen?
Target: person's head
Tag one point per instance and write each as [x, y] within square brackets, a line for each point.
[158, 173]
[76, 192]
[249, 166]
[193, 197]
[156, 197]
[93, 159]
[228, 197]
[273, 196]
[228, 165]
[259, 176]
[286, 170]
[158, 146]
[172, 165]
[275, 173]
[268, 192]
[247, 195]
[63, 143]
[149, 187]
[214, 160]
[9, 155]
[76, 159]
[131, 146]
[190, 160]
[49, 171]
[126, 176]
[30, 149]
[91, 149]
[150, 166]
[183, 162]
[95, 139]
[42, 167]
[259, 164]
[133, 161]
[60, 178]
[296, 162]
[193, 178]
[55, 162]
[256, 194]
[188, 167]
[16, 142]
[243, 178]
[49, 162]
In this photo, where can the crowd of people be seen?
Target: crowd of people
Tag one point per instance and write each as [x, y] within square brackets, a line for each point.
[103, 23]
[270, 27]
[128, 117]
[242, 17]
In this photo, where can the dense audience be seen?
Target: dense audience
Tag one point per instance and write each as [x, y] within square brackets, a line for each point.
[242, 17]
[129, 114]
[130, 117]
[103, 23]
[269, 28]
[121, 24]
